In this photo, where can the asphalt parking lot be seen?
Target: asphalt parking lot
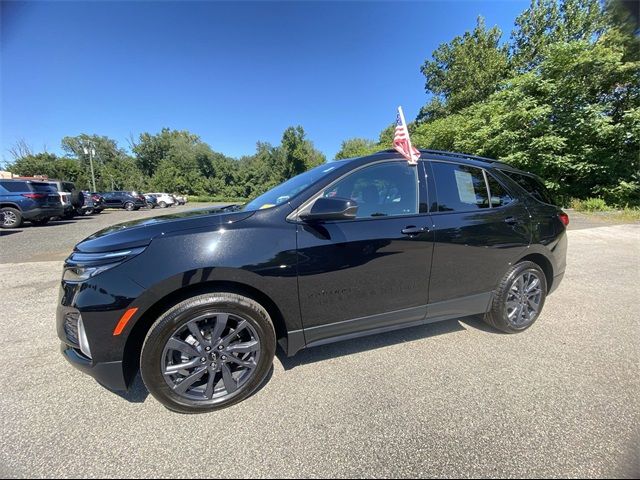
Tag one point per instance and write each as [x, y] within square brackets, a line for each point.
[454, 399]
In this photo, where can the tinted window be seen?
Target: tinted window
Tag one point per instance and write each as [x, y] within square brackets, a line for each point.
[16, 186]
[531, 185]
[460, 187]
[380, 190]
[499, 196]
[43, 187]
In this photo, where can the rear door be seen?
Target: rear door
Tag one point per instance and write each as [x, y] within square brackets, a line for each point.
[371, 272]
[477, 234]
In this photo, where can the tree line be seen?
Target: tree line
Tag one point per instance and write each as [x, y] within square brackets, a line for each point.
[172, 161]
[560, 98]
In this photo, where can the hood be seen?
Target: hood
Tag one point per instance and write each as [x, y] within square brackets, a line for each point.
[139, 233]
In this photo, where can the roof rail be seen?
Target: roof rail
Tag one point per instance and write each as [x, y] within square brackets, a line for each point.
[451, 154]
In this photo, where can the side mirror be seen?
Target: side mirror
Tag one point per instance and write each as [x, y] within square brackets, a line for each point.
[330, 208]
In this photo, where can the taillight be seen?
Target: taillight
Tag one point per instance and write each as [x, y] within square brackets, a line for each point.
[564, 218]
[35, 196]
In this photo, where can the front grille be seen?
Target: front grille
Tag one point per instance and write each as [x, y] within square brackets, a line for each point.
[71, 328]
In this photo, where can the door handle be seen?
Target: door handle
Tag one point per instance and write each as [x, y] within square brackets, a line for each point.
[511, 221]
[413, 230]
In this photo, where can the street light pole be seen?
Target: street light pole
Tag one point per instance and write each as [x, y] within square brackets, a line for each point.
[91, 152]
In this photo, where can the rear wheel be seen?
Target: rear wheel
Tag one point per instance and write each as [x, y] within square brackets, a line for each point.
[162, 204]
[208, 352]
[518, 301]
[10, 217]
[129, 206]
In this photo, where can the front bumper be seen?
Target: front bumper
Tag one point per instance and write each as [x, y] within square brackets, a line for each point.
[108, 374]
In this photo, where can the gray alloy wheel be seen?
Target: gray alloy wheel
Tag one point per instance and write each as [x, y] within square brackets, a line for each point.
[518, 301]
[211, 357]
[11, 218]
[129, 206]
[208, 352]
[524, 298]
[162, 204]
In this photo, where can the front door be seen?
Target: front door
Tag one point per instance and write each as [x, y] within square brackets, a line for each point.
[371, 272]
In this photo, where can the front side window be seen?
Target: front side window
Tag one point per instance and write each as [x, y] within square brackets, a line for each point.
[460, 188]
[381, 190]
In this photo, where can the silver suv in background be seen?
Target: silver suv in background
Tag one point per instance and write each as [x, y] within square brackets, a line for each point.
[164, 199]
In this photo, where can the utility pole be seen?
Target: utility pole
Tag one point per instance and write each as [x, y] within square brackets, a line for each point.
[91, 152]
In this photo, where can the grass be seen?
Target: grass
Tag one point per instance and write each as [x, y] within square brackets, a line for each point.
[599, 208]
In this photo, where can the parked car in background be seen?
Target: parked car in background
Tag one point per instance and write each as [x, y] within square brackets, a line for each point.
[152, 202]
[98, 202]
[180, 199]
[349, 248]
[71, 198]
[22, 200]
[127, 200]
[164, 199]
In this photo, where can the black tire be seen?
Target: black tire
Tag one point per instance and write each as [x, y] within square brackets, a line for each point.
[129, 206]
[499, 315]
[41, 222]
[89, 211]
[162, 205]
[176, 318]
[10, 218]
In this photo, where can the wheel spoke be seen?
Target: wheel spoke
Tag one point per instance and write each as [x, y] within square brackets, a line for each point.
[229, 382]
[197, 333]
[184, 385]
[243, 363]
[244, 347]
[241, 326]
[208, 393]
[221, 324]
[181, 346]
[173, 369]
[533, 285]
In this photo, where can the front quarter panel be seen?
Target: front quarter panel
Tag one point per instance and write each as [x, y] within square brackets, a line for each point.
[259, 253]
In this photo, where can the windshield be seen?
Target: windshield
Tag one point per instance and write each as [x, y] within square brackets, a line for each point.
[287, 190]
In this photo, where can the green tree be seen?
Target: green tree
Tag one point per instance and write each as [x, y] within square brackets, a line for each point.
[466, 70]
[356, 147]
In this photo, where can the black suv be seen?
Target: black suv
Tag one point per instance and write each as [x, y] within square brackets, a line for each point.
[22, 200]
[127, 200]
[199, 300]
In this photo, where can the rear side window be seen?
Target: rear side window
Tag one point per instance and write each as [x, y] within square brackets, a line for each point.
[43, 187]
[16, 186]
[531, 185]
[499, 196]
[460, 188]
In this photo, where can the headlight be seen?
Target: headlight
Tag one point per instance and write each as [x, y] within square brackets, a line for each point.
[82, 266]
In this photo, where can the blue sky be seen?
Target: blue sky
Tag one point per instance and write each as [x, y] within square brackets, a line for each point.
[233, 73]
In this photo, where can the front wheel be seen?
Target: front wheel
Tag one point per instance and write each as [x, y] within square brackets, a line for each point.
[519, 298]
[129, 206]
[162, 204]
[208, 352]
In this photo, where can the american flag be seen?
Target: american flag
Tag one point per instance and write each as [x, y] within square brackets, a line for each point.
[401, 140]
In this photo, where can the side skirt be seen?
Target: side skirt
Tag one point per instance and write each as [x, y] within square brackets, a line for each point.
[386, 322]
